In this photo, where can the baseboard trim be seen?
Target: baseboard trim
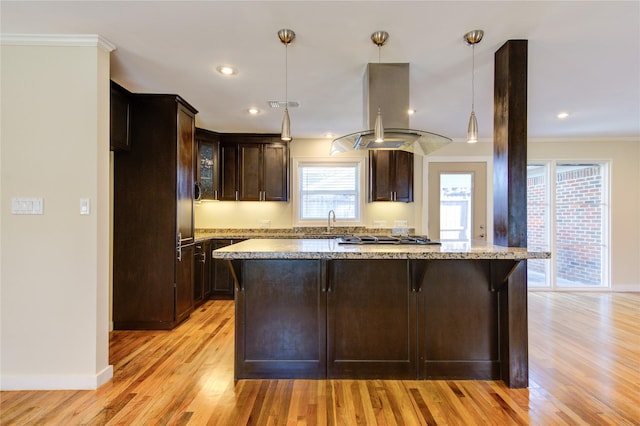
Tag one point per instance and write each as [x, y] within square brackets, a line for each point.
[10, 382]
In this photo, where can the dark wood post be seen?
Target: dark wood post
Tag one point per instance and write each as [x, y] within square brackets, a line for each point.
[510, 203]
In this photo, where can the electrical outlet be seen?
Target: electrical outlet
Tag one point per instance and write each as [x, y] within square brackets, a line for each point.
[265, 223]
[27, 205]
[379, 223]
[399, 223]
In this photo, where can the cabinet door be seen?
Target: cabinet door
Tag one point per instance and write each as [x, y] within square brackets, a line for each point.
[458, 320]
[185, 163]
[221, 279]
[403, 176]
[380, 175]
[371, 320]
[206, 281]
[275, 185]
[229, 171]
[281, 320]
[198, 274]
[184, 283]
[251, 171]
[390, 175]
[120, 118]
[207, 168]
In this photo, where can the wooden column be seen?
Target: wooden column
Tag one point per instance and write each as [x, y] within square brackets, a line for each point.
[510, 202]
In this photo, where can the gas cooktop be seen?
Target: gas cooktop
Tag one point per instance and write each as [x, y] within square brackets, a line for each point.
[385, 239]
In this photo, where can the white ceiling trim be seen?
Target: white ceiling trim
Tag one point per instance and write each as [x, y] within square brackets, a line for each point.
[76, 40]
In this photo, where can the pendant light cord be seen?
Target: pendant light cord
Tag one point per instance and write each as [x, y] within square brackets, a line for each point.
[286, 75]
[473, 76]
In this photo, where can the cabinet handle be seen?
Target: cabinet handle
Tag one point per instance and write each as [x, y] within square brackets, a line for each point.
[179, 247]
[237, 196]
[215, 194]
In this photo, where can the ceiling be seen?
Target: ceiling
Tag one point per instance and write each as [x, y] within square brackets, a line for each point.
[584, 58]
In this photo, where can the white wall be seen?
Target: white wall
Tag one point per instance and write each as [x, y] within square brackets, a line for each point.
[54, 278]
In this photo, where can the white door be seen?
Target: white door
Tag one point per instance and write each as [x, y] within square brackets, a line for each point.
[457, 201]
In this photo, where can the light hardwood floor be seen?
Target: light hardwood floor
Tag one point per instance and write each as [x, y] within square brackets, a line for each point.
[584, 358]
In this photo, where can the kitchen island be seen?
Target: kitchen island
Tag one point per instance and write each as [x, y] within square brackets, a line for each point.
[314, 308]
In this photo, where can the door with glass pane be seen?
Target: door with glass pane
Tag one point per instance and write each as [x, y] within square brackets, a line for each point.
[568, 215]
[457, 201]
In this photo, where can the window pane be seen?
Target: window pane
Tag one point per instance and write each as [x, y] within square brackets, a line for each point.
[329, 187]
[538, 224]
[579, 224]
[455, 206]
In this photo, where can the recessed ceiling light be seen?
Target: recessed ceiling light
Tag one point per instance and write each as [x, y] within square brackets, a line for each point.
[329, 135]
[411, 111]
[253, 111]
[226, 70]
[562, 115]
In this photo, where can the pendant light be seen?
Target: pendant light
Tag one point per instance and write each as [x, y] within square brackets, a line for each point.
[472, 38]
[286, 36]
[379, 38]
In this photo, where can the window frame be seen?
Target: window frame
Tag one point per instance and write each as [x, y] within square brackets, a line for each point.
[359, 163]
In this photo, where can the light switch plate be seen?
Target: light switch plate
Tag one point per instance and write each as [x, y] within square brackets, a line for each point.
[399, 223]
[265, 223]
[379, 223]
[24, 205]
[85, 206]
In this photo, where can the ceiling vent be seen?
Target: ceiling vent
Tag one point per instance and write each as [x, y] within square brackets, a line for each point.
[282, 104]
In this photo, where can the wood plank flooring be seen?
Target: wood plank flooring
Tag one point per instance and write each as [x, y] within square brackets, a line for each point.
[584, 351]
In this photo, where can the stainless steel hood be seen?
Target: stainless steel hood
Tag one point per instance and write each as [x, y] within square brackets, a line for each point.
[387, 86]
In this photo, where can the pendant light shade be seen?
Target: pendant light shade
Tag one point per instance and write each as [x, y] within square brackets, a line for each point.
[472, 38]
[285, 133]
[378, 130]
[472, 130]
[286, 36]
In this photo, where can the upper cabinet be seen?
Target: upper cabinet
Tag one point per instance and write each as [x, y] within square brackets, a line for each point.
[120, 118]
[390, 175]
[207, 165]
[253, 168]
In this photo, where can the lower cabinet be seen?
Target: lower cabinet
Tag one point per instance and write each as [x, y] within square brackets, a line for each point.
[281, 320]
[367, 319]
[222, 285]
[184, 283]
[371, 320]
[202, 272]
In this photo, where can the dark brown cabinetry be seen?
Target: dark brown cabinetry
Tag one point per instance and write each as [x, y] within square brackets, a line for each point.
[202, 272]
[207, 164]
[153, 242]
[281, 324]
[253, 168]
[222, 285]
[390, 175]
[371, 329]
[120, 117]
[366, 319]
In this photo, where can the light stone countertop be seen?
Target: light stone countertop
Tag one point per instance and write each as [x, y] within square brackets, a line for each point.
[277, 248]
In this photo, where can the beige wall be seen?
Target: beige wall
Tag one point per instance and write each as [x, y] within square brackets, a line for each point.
[55, 266]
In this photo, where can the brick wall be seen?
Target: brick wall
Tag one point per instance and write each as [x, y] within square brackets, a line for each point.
[536, 222]
[579, 224]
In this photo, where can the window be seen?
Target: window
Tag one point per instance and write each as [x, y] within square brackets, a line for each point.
[324, 186]
[573, 224]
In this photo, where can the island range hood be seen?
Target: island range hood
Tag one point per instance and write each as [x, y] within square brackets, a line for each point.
[387, 86]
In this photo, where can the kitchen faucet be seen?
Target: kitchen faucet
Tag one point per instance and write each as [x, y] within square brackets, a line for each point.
[331, 212]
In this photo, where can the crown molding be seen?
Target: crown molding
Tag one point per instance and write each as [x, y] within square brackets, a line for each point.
[77, 40]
